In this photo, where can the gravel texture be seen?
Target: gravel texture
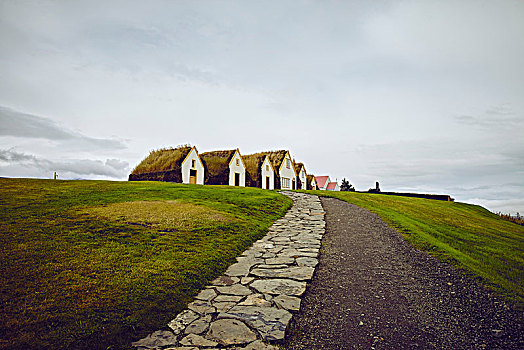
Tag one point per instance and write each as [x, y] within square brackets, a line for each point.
[373, 290]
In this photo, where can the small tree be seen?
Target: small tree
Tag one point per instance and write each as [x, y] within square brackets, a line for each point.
[346, 186]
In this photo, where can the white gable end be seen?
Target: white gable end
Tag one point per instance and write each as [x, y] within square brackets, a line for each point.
[287, 174]
[268, 175]
[237, 171]
[192, 169]
[303, 179]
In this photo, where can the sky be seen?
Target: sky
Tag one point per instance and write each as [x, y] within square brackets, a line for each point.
[424, 96]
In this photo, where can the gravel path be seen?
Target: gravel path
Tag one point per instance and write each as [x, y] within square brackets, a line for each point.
[372, 290]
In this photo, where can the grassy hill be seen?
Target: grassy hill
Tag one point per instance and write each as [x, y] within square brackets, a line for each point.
[468, 236]
[96, 264]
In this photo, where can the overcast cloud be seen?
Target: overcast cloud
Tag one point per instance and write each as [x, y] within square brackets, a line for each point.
[419, 95]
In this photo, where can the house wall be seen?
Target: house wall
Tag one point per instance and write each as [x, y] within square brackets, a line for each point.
[313, 184]
[234, 168]
[267, 170]
[303, 179]
[187, 165]
[287, 172]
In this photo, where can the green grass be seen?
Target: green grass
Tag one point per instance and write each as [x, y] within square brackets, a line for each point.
[470, 237]
[97, 264]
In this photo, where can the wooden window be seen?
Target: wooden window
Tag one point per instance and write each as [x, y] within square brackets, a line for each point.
[238, 161]
[193, 163]
[285, 182]
[287, 163]
[267, 167]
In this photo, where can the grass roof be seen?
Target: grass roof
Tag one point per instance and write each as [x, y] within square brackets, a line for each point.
[299, 166]
[216, 164]
[276, 157]
[164, 159]
[253, 163]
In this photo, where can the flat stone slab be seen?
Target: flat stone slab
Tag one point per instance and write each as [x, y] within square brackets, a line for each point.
[199, 326]
[235, 289]
[197, 340]
[256, 300]
[305, 261]
[156, 339]
[182, 320]
[206, 294]
[280, 261]
[224, 281]
[202, 307]
[229, 332]
[242, 267]
[301, 273]
[270, 322]
[279, 286]
[287, 302]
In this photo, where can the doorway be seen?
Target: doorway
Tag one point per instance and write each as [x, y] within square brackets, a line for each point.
[267, 183]
[237, 179]
[192, 176]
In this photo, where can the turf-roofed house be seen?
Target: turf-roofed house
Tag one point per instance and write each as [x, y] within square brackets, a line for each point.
[181, 164]
[311, 182]
[302, 176]
[261, 171]
[286, 177]
[224, 168]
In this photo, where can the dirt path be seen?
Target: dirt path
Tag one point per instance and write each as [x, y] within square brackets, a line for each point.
[372, 290]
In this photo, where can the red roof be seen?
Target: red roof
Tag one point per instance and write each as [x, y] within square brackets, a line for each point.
[321, 180]
[331, 186]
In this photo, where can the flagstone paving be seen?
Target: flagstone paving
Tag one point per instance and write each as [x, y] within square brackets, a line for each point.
[251, 305]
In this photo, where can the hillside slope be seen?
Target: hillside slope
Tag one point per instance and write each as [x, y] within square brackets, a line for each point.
[470, 237]
[98, 264]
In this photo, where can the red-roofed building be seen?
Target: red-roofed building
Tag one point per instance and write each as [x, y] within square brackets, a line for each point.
[322, 182]
[332, 186]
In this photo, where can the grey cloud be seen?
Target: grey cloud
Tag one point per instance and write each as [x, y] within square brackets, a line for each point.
[18, 124]
[502, 116]
[70, 168]
[11, 156]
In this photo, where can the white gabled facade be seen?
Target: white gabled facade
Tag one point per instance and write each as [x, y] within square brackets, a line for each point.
[237, 170]
[313, 183]
[192, 168]
[287, 173]
[268, 175]
[303, 179]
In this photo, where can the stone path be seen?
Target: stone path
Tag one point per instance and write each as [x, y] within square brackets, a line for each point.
[250, 306]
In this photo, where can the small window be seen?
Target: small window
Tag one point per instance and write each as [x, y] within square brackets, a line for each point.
[287, 163]
[267, 167]
[193, 163]
[238, 161]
